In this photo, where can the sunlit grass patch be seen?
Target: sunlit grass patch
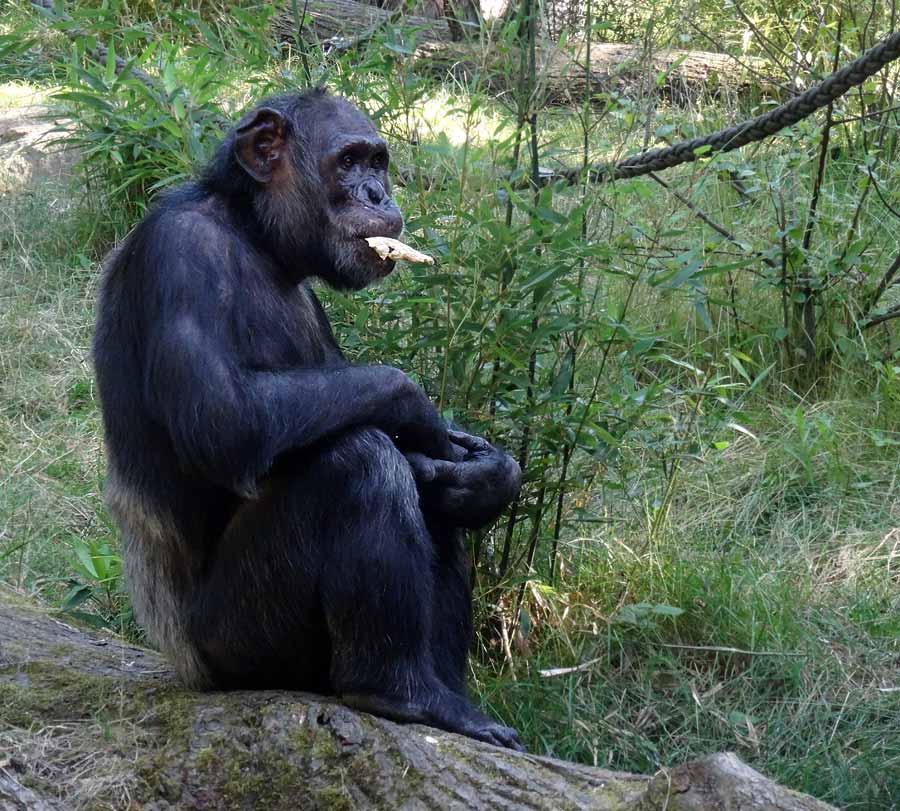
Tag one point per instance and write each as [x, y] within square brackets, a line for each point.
[16, 94]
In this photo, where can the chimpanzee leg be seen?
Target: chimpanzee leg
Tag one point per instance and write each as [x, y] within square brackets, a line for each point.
[330, 577]
[392, 646]
[257, 618]
[452, 618]
[377, 586]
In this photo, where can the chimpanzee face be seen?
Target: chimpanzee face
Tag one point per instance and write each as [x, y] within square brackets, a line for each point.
[353, 165]
[322, 171]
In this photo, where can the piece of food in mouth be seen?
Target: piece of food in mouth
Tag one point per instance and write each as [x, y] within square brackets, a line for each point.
[394, 249]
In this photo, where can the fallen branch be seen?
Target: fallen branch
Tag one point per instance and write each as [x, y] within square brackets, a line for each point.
[351, 22]
[88, 721]
[614, 69]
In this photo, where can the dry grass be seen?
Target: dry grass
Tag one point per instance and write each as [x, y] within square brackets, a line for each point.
[74, 763]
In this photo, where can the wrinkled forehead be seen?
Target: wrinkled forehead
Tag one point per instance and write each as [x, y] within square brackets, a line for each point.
[336, 123]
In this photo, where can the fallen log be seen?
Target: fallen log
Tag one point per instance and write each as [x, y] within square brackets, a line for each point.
[626, 69]
[88, 721]
[334, 20]
[676, 74]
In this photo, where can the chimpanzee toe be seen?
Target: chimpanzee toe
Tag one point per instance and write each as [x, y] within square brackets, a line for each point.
[508, 738]
[497, 735]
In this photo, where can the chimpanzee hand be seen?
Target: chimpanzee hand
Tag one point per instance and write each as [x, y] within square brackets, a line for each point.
[409, 417]
[472, 490]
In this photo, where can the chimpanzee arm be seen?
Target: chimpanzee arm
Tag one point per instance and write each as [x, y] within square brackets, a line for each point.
[230, 423]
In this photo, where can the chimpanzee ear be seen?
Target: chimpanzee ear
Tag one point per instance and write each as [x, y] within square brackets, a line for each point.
[260, 144]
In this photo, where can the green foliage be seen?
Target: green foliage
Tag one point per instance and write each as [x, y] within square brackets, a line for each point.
[740, 629]
[700, 538]
[96, 594]
[136, 135]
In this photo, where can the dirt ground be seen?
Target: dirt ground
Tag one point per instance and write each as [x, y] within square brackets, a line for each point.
[28, 154]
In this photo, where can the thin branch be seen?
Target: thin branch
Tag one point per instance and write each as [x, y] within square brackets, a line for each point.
[300, 21]
[878, 191]
[698, 212]
[839, 122]
[887, 281]
[887, 315]
[549, 673]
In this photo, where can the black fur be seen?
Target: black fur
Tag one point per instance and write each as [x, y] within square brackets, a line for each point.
[289, 519]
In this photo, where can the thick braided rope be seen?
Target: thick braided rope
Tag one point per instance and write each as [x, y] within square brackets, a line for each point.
[763, 126]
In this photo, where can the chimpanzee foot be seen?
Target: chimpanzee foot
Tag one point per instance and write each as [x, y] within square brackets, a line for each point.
[451, 713]
[482, 728]
[405, 712]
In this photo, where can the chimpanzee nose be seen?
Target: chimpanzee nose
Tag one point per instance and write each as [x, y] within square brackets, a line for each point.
[374, 191]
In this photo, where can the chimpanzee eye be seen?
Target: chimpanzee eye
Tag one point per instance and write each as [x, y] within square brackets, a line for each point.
[380, 161]
[347, 161]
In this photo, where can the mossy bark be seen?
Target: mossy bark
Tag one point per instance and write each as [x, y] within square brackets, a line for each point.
[87, 721]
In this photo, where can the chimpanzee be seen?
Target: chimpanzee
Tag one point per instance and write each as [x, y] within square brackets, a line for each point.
[289, 519]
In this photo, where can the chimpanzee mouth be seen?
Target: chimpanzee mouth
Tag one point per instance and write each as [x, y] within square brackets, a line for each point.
[369, 260]
[390, 249]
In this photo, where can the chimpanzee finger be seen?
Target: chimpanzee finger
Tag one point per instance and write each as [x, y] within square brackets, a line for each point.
[469, 441]
[422, 466]
[446, 472]
[459, 452]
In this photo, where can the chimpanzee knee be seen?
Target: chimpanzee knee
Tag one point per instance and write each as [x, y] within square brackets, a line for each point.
[364, 474]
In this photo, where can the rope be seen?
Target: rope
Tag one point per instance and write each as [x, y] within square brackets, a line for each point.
[756, 129]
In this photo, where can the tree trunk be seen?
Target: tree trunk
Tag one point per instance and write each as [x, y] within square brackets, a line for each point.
[89, 722]
[561, 73]
[347, 19]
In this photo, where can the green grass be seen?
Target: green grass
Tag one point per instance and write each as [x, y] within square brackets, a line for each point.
[796, 569]
[50, 475]
[763, 615]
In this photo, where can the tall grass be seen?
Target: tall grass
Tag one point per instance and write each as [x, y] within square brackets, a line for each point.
[705, 554]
